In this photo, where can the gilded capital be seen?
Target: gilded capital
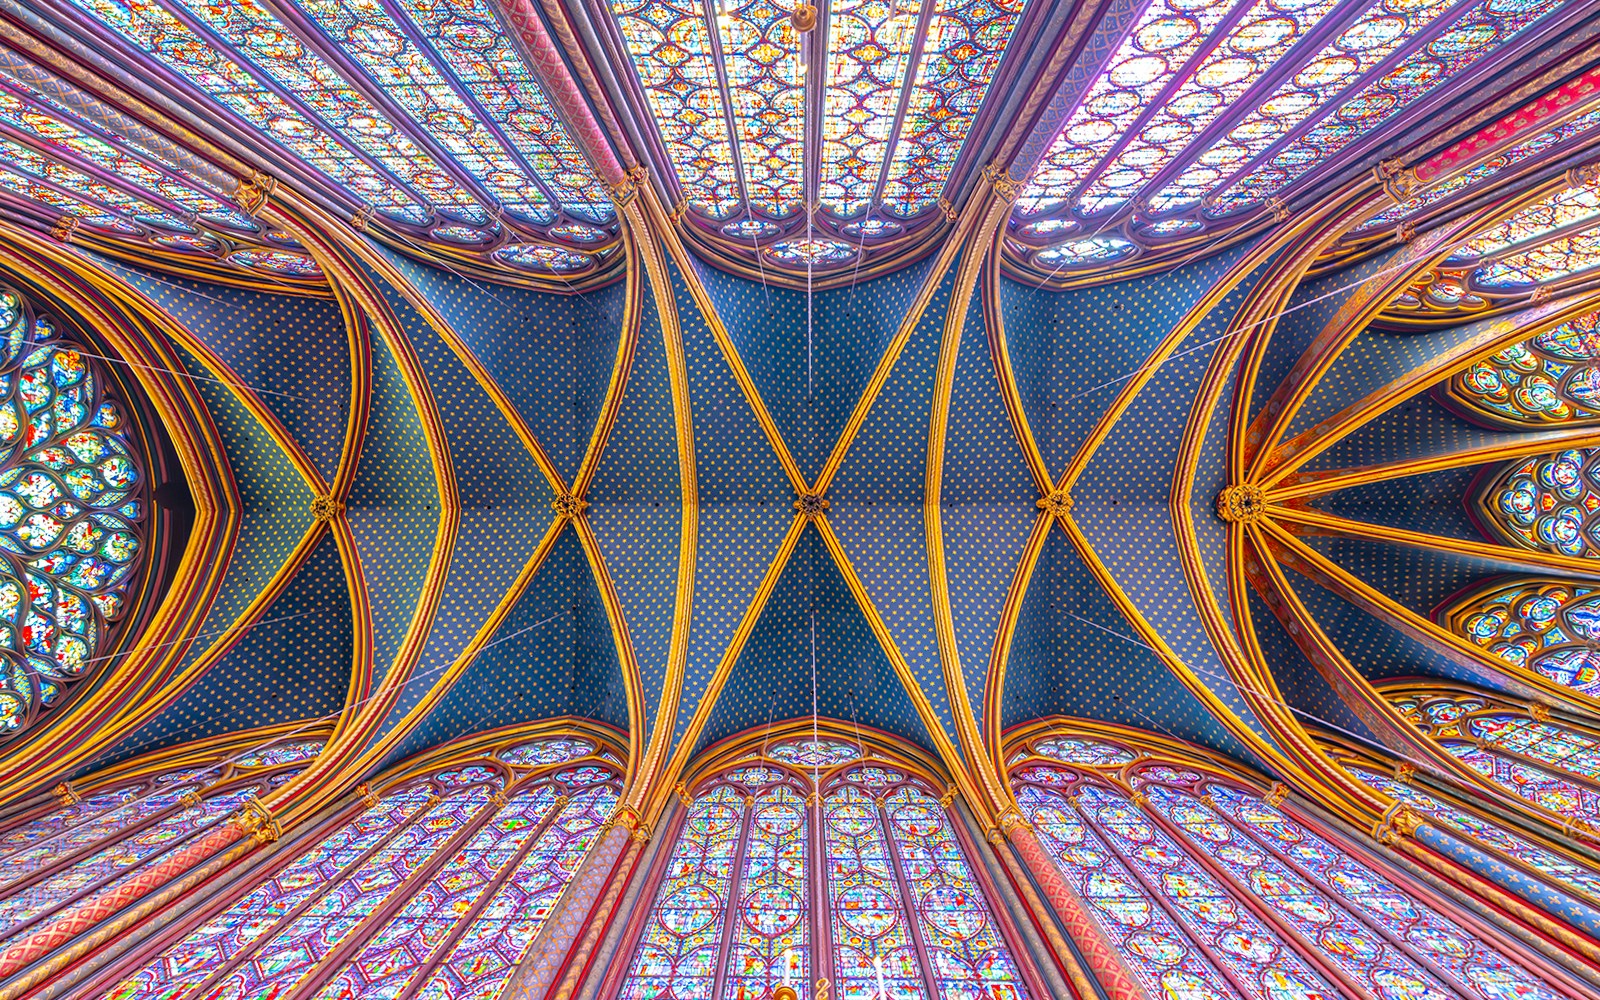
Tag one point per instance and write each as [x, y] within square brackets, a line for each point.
[257, 821]
[252, 194]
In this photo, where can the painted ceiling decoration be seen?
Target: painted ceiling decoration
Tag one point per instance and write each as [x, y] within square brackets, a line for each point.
[776, 500]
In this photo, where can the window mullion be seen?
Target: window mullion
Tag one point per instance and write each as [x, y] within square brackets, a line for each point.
[149, 860]
[821, 901]
[735, 885]
[485, 896]
[1309, 950]
[399, 896]
[1289, 862]
[226, 969]
[907, 904]
[1157, 895]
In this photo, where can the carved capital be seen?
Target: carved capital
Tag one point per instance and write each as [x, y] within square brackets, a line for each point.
[1584, 175]
[1406, 231]
[363, 217]
[252, 194]
[1242, 504]
[64, 228]
[367, 797]
[1398, 181]
[257, 821]
[1539, 711]
[326, 508]
[1276, 794]
[948, 209]
[1001, 183]
[1403, 773]
[624, 191]
[1275, 205]
[948, 798]
[628, 818]
[1398, 822]
[1058, 503]
[811, 505]
[569, 506]
[1011, 820]
[190, 798]
[67, 795]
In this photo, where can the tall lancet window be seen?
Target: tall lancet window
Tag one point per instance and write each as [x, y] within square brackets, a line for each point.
[1549, 763]
[806, 861]
[1553, 764]
[1208, 885]
[126, 821]
[432, 886]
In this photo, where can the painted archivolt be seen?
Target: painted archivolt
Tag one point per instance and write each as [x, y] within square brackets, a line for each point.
[72, 514]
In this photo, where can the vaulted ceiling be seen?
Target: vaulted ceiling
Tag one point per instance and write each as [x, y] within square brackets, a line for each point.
[688, 366]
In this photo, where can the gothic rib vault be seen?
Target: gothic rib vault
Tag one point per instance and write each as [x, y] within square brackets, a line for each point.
[1226, 456]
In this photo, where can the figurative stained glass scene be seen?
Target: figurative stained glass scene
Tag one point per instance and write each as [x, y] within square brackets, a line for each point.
[799, 500]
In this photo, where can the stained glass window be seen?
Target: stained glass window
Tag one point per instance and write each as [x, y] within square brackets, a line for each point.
[71, 513]
[1552, 378]
[820, 753]
[1203, 110]
[1547, 626]
[1206, 889]
[1559, 258]
[1547, 502]
[1554, 766]
[120, 827]
[900, 85]
[437, 887]
[732, 916]
[1543, 626]
[425, 112]
[1484, 834]
[1485, 171]
[1464, 40]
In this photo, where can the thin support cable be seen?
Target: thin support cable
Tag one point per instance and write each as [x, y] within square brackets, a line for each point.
[1255, 691]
